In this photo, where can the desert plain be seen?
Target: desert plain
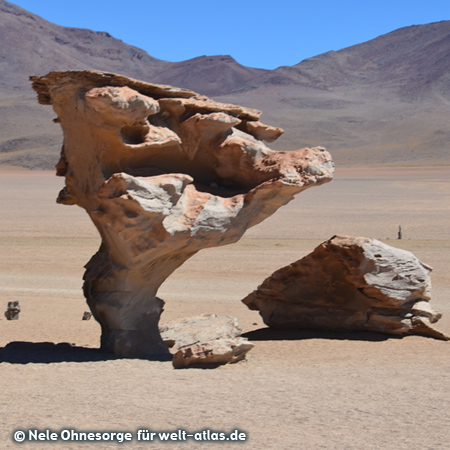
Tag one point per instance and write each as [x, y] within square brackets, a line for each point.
[297, 389]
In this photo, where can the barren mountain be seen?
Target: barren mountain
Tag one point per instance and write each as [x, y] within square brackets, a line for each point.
[210, 75]
[31, 45]
[385, 101]
[410, 62]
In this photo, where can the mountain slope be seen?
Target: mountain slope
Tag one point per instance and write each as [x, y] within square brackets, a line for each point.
[210, 75]
[32, 46]
[385, 101]
[407, 62]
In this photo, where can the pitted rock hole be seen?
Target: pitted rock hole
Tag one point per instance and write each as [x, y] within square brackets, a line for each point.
[134, 134]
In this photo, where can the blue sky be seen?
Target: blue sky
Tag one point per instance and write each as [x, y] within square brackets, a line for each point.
[265, 34]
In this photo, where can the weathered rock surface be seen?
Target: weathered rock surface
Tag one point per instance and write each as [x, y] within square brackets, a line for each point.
[204, 328]
[350, 283]
[212, 353]
[162, 172]
[205, 340]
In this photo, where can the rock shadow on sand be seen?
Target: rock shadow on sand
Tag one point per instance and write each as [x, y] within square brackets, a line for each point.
[48, 352]
[274, 334]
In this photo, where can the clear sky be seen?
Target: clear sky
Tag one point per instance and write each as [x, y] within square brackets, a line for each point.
[265, 34]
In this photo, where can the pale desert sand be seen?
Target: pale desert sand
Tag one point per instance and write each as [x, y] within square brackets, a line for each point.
[297, 390]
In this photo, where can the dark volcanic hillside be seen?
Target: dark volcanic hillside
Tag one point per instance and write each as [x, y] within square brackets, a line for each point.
[32, 46]
[385, 101]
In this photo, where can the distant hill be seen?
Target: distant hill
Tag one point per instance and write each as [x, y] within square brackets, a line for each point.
[385, 101]
[411, 63]
[209, 75]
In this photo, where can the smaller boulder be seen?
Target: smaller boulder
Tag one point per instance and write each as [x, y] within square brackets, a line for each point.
[212, 353]
[349, 284]
[12, 313]
[207, 340]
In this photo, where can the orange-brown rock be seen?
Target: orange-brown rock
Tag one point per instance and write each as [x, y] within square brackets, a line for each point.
[162, 172]
[212, 353]
[348, 284]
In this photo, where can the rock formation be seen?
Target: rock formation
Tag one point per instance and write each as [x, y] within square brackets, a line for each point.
[162, 172]
[13, 310]
[212, 353]
[350, 283]
[206, 327]
[205, 340]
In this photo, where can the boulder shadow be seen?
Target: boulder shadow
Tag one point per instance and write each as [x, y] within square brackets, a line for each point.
[19, 352]
[277, 334]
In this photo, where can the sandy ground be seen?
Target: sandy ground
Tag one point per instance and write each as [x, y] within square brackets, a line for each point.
[297, 390]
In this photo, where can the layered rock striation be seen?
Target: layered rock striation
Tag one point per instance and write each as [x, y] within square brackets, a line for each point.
[347, 284]
[162, 172]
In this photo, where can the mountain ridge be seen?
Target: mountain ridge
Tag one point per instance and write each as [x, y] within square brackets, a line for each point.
[374, 61]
